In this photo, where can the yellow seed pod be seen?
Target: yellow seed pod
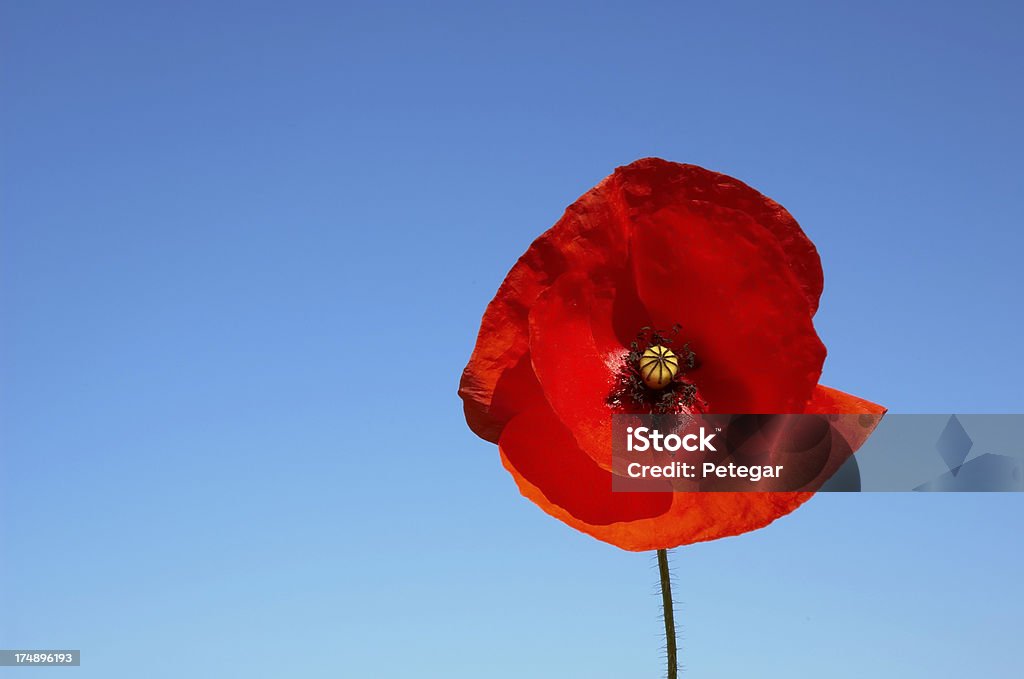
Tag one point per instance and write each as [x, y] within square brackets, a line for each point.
[658, 366]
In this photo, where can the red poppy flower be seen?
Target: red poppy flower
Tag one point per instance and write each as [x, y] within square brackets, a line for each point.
[655, 245]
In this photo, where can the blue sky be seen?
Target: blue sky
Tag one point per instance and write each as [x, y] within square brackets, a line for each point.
[212, 215]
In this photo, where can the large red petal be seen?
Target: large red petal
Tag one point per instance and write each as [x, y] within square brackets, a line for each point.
[551, 471]
[580, 329]
[538, 449]
[725, 279]
[497, 383]
[652, 184]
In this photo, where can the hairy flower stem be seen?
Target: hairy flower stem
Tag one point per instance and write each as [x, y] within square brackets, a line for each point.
[670, 622]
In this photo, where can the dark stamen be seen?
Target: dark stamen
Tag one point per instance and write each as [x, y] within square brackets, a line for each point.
[630, 391]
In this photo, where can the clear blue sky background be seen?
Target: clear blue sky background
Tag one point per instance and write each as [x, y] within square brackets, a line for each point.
[212, 214]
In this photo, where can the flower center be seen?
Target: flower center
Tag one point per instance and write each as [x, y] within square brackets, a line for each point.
[658, 366]
[650, 379]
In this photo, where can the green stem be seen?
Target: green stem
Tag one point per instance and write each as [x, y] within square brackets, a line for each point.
[670, 622]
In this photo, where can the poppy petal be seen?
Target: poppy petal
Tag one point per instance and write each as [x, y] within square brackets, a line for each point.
[856, 431]
[576, 353]
[542, 451]
[589, 237]
[725, 280]
[653, 184]
[556, 475]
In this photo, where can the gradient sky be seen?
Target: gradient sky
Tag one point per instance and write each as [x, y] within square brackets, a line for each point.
[213, 213]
